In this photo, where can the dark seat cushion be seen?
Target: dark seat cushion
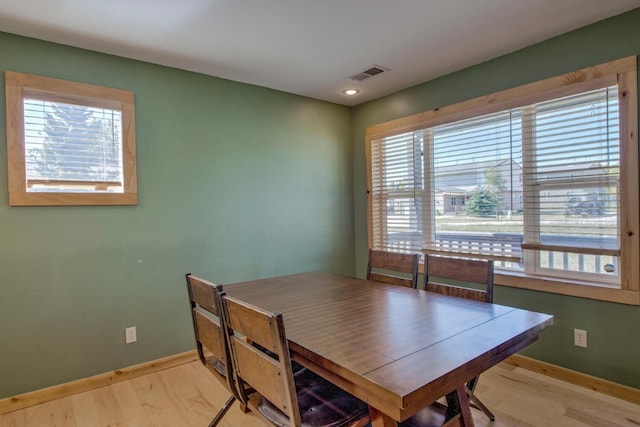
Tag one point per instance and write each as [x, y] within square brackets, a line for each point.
[322, 404]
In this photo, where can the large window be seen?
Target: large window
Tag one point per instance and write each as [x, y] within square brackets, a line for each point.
[542, 178]
[69, 143]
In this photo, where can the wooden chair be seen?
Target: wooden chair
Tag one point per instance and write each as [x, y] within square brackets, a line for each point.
[260, 360]
[383, 262]
[210, 337]
[463, 272]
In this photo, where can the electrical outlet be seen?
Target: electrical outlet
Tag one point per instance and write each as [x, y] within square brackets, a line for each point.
[130, 335]
[580, 338]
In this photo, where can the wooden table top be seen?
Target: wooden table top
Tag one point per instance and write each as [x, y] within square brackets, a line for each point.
[398, 349]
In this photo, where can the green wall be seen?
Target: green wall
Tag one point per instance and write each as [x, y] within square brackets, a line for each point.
[235, 182]
[613, 337]
[238, 182]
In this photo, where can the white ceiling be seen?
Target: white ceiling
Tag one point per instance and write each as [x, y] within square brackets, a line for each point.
[307, 47]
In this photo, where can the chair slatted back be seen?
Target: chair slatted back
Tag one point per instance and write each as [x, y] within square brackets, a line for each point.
[204, 297]
[265, 367]
[477, 271]
[396, 262]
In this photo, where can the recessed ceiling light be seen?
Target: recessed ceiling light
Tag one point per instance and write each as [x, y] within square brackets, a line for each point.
[351, 92]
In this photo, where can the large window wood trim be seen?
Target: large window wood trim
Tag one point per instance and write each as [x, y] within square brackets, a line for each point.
[567, 84]
[621, 72]
[630, 215]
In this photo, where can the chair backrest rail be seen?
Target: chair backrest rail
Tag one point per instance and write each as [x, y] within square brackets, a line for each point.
[388, 264]
[473, 271]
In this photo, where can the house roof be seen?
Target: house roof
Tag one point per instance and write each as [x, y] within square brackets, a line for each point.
[472, 166]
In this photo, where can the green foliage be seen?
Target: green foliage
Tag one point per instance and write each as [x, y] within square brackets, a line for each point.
[486, 200]
[494, 182]
[482, 203]
[76, 145]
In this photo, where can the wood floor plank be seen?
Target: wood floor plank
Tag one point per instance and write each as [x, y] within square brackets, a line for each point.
[108, 410]
[57, 413]
[14, 419]
[152, 395]
[132, 408]
[547, 401]
[190, 402]
[85, 410]
[188, 395]
[215, 395]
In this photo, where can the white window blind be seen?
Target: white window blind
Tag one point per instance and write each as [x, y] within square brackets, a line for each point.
[479, 162]
[72, 148]
[573, 172]
[534, 187]
[397, 176]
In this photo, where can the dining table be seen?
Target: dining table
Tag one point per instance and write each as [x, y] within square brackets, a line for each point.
[398, 349]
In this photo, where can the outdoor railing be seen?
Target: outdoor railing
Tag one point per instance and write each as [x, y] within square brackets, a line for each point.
[505, 246]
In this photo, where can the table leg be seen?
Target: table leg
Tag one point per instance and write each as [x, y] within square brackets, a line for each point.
[378, 419]
[460, 400]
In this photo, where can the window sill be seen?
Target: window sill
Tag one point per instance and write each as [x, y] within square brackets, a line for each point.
[573, 288]
[554, 285]
[72, 199]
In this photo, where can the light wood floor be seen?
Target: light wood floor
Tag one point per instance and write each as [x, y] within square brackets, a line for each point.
[188, 395]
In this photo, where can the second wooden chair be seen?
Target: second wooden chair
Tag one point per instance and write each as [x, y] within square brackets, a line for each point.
[384, 266]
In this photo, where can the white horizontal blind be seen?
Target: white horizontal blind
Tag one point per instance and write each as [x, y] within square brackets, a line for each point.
[478, 186]
[534, 187]
[397, 175]
[72, 148]
[573, 170]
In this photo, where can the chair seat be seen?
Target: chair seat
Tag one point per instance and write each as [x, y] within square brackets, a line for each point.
[322, 404]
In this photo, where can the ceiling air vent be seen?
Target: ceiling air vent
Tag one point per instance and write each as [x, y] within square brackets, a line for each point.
[373, 71]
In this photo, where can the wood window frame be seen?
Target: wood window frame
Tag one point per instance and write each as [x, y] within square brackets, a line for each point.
[622, 72]
[17, 87]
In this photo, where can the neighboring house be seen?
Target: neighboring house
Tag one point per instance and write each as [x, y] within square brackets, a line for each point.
[590, 199]
[454, 184]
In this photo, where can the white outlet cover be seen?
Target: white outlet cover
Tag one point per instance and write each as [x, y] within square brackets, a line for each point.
[130, 335]
[580, 338]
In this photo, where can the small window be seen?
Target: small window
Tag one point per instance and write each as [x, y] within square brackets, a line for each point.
[69, 143]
